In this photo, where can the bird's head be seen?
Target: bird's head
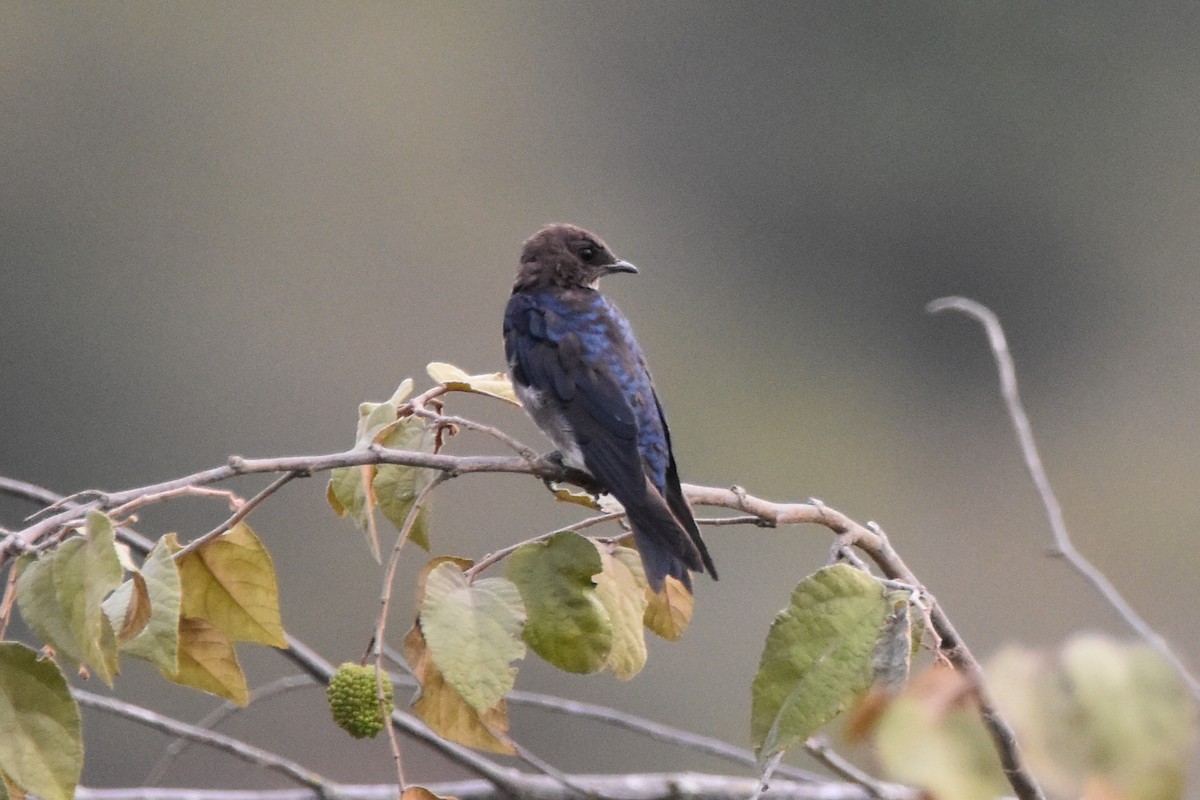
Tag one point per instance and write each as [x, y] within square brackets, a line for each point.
[566, 257]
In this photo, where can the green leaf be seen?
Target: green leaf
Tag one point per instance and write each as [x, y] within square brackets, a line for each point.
[158, 642]
[61, 596]
[41, 745]
[818, 657]
[567, 624]
[86, 571]
[38, 601]
[444, 710]
[396, 486]
[494, 384]
[473, 633]
[230, 581]
[621, 588]
[1102, 711]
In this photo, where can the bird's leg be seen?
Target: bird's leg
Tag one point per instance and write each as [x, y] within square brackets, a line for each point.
[570, 474]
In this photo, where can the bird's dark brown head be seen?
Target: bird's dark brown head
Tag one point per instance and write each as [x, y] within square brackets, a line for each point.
[566, 257]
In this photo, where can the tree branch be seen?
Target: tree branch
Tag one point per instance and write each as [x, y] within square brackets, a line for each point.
[1033, 463]
[875, 544]
[872, 542]
[652, 786]
[247, 752]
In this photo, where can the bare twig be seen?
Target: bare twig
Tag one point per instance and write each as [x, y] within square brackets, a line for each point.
[654, 730]
[504, 552]
[248, 752]
[1033, 463]
[239, 515]
[220, 713]
[385, 601]
[525, 452]
[818, 747]
[129, 506]
[764, 779]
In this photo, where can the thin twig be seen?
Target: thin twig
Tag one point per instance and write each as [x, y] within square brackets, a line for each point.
[654, 730]
[134, 504]
[385, 602]
[219, 714]
[546, 768]
[1033, 463]
[504, 552]
[247, 752]
[764, 779]
[818, 747]
[524, 451]
[239, 515]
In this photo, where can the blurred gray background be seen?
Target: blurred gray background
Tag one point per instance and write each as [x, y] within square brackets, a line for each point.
[223, 225]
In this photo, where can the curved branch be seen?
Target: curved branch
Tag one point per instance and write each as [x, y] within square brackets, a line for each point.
[1033, 463]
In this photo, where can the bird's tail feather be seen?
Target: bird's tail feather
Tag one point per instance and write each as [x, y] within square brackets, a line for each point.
[664, 545]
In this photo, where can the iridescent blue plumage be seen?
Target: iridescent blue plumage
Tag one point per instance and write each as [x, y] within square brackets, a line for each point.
[582, 376]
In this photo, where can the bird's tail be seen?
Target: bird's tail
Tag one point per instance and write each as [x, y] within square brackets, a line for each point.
[664, 544]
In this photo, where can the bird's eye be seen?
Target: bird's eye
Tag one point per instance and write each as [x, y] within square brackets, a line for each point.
[587, 252]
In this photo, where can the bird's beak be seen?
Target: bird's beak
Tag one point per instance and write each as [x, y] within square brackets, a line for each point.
[622, 265]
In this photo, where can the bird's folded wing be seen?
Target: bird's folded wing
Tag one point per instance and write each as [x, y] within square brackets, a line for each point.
[551, 359]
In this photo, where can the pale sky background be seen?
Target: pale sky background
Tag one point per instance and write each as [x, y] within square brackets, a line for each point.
[223, 225]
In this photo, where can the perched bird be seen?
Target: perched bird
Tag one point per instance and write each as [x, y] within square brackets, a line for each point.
[582, 377]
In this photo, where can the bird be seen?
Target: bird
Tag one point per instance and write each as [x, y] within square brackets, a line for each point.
[581, 375]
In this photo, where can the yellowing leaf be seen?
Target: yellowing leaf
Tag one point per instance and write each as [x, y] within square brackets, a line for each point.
[230, 581]
[818, 657]
[621, 588]
[564, 495]
[41, 745]
[473, 633]
[494, 384]
[421, 793]
[444, 710]
[668, 612]
[567, 624]
[207, 662]
[128, 608]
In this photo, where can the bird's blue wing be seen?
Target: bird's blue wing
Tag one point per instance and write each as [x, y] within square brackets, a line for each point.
[549, 351]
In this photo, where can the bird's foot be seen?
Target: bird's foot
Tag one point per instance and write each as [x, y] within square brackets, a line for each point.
[570, 474]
